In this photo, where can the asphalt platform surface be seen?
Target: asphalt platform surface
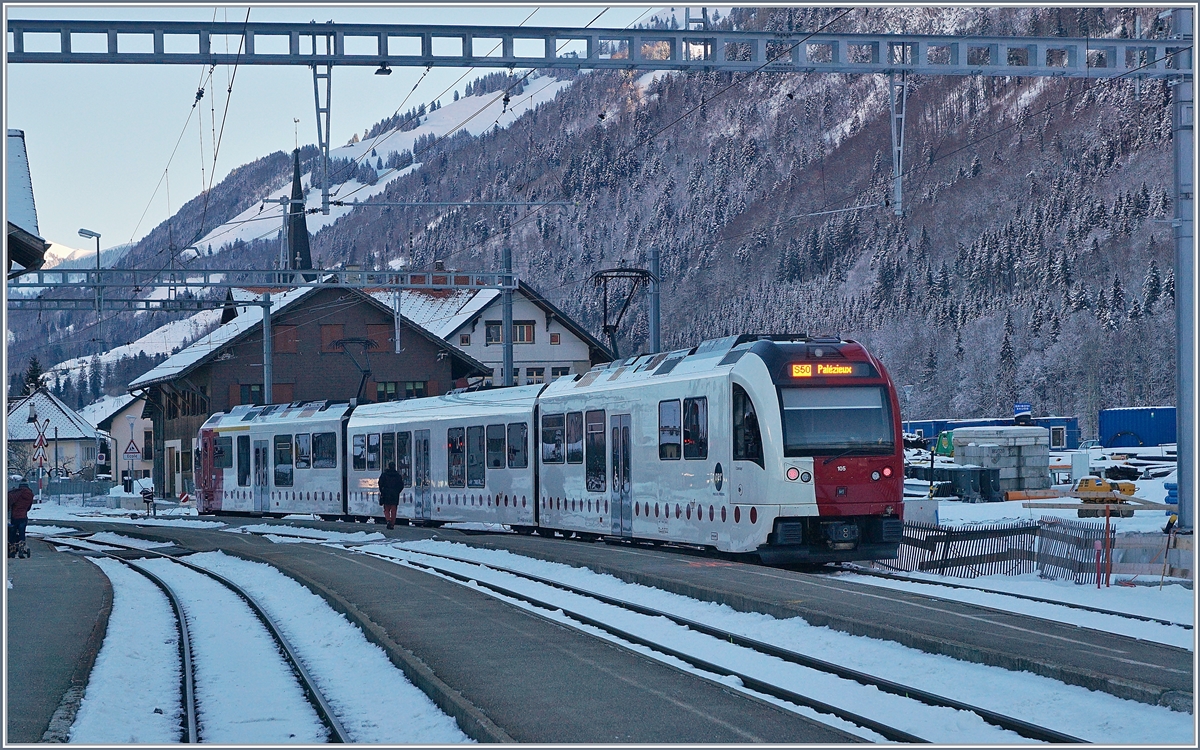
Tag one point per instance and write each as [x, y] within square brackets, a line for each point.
[534, 679]
[57, 613]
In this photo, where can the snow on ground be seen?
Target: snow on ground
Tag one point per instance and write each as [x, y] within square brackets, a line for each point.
[245, 692]
[954, 513]
[371, 697]
[1091, 715]
[1173, 603]
[52, 512]
[162, 340]
[48, 530]
[475, 114]
[136, 673]
[299, 533]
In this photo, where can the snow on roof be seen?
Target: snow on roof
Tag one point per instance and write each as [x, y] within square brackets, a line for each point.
[71, 426]
[98, 411]
[181, 363]
[439, 312]
[21, 209]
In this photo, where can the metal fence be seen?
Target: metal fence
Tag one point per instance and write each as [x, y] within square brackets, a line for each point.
[1067, 549]
[967, 552]
[1051, 547]
[75, 487]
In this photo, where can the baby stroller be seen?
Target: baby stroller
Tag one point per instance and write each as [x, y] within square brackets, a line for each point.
[16, 548]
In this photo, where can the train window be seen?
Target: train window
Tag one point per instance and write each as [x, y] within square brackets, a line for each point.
[243, 460]
[303, 451]
[476, 469]
[836, 421]
[518, 445]
[695, 427]
[389, 449]
[324, 450]
[283, 460]
[373, 452]
[223, 453]
[595, 451]
[668, 430]
[495, 446]
[358, 452]
[552, 438]
[747, 441]
[455, 475]
[404, 456]
[575, 437]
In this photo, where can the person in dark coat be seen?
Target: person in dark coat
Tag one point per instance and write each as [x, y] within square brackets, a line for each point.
[20, 500]
[391, 484]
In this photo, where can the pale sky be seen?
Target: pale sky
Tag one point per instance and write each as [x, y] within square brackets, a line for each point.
[99, 137]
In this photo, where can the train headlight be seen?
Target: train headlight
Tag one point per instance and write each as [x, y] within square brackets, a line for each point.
[887, 471]
[805, 477]
[875, 476]
[793, 473]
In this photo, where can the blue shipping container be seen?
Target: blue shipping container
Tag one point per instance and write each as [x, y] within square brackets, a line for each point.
[1137, 426]
[1064, 431]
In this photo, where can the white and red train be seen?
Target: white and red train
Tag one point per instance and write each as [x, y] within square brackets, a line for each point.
[786, 447]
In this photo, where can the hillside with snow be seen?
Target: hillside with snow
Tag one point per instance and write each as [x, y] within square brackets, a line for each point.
[473, 115]
[1033, 261]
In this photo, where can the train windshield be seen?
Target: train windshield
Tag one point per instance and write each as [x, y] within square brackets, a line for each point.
[824, 421]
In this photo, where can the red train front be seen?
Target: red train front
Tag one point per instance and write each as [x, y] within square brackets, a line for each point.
[841, 453]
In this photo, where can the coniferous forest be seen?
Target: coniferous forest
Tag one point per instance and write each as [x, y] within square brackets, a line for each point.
[1033, 261]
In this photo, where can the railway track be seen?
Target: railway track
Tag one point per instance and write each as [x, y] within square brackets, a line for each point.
[891, 733]
[191, 733]
[852, 568]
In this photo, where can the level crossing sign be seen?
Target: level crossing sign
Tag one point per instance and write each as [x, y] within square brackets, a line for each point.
[131, 452]
[39, 453]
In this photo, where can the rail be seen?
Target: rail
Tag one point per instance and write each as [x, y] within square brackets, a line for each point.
[323, 709]
[855, 568]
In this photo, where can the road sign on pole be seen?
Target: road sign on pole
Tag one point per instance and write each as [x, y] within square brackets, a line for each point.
[132, 453]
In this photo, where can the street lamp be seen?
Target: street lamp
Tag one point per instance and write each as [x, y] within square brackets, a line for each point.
[87, 233]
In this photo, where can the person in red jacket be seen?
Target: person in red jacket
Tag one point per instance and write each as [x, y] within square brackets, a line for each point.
[20, 501]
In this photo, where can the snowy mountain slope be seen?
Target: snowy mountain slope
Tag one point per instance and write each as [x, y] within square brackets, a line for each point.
[163, 340]
[471, 114]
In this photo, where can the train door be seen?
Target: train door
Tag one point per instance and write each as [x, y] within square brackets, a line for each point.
[422, 495]
[262, 496]
[170, 472]
[621, 493]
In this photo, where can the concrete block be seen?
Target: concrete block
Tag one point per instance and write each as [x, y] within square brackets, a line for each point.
[1037, 483]
[1008, 485]
[1032, 471]
[921, 511]
[1008, 473]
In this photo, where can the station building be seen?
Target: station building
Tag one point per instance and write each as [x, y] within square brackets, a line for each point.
[328, 343]
[547, 344]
